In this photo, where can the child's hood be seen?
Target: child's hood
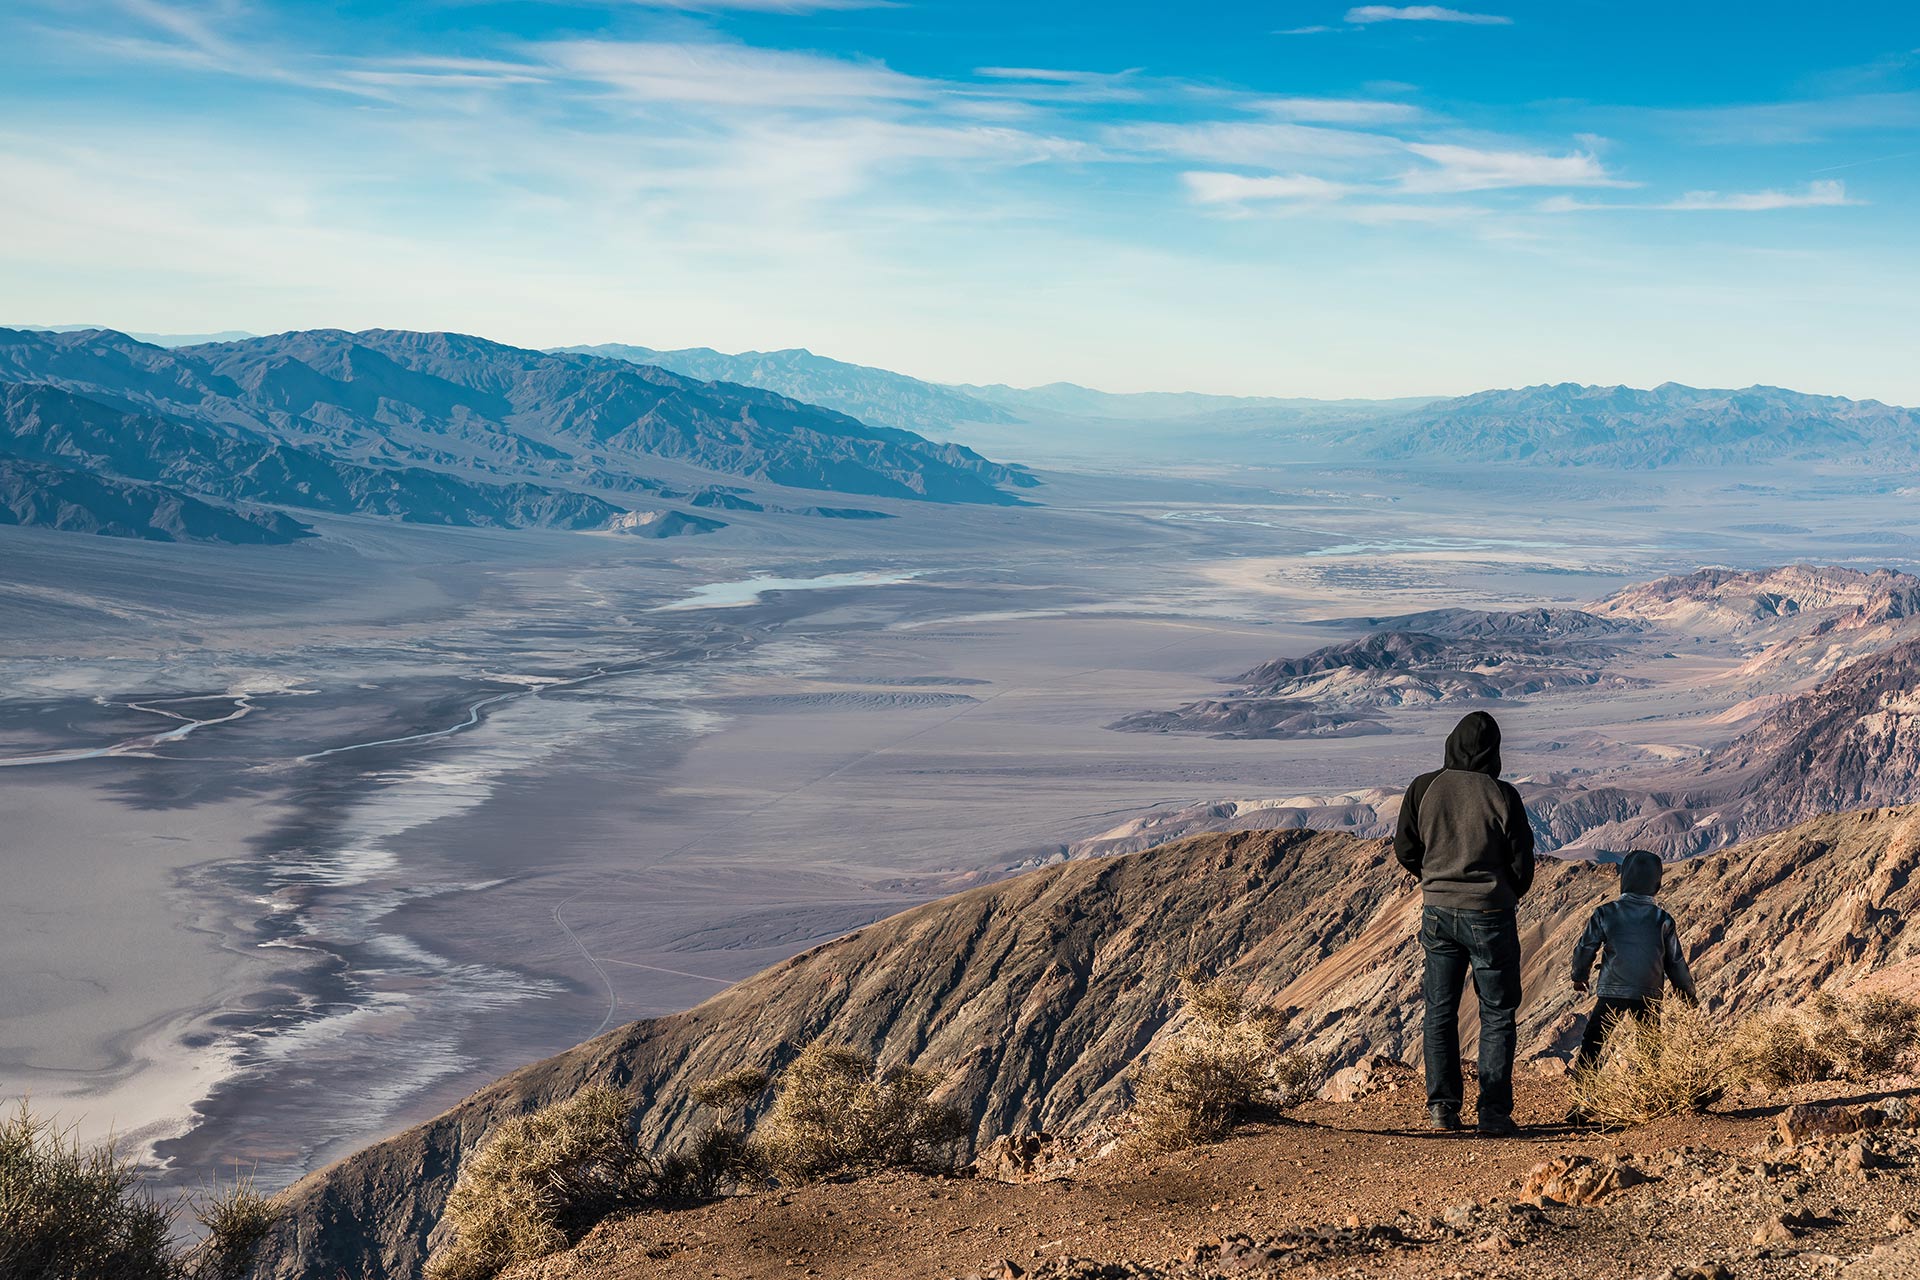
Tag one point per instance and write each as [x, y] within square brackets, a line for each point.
[1641, 872]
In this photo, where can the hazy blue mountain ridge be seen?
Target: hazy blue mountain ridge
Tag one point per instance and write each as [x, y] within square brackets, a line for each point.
[1569, 424]
[453, 403]
[878, 396]
[1073, 400]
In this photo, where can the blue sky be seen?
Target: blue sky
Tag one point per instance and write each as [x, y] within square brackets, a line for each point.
[1289, 197]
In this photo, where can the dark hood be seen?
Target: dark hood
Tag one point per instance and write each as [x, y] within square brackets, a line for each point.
[1640, 872]
[1474, 745]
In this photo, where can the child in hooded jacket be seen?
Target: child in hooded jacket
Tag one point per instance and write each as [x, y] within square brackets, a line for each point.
[1640, 953]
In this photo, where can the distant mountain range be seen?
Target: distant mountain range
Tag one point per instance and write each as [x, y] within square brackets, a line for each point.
[878, 396]
[1567, 424]
[1072, 400]
[885, 398]
[441, 428]
[437, 428]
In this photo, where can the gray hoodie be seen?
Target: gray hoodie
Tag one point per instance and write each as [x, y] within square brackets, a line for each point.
[1462, 830]
[1639, 939]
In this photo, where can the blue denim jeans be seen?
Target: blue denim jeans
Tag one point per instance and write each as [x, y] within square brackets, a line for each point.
[1487, 943]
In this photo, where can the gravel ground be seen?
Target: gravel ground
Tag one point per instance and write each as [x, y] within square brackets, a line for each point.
[1348, 1188]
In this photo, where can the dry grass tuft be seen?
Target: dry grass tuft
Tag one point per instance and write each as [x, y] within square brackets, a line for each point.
[836, 1111]
[1670, 1062]
[540, 1181]
[1831, 1039]
[238, 1218]
[1225, 1062]
[71, 1210]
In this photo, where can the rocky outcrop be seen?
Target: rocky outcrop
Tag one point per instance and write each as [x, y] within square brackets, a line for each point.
[1397, 668]
[1850, 742]
[663, 524]
[1741, 603]
[1036, 996]
[1580, 1179]
[1336, 690]
[1269, 718]
[1533, 624]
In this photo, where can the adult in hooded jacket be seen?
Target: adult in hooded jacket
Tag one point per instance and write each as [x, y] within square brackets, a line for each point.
[1464, 833]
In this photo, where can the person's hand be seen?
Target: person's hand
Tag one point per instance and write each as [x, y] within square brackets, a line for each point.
[1580, 986]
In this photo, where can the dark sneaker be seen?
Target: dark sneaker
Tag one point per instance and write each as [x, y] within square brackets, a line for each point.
[1442, 1118]
[1496, 1126]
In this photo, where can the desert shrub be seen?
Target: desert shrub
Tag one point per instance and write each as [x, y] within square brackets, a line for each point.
[237, 1218]
[540, 1181]
[835, 1111]
[1226, 1061]
[68, 1210]
[1831, 1039]
[720, 1160]
[730, 1092]
[1872, 1035]
[1671, 1061]
[1776, 1052]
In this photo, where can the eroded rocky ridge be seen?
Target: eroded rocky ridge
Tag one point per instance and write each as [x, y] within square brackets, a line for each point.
[1037, 995]
[1472, 657]
[1851, 741]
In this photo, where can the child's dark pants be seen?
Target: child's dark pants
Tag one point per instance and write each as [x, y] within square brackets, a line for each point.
[1607, 1010]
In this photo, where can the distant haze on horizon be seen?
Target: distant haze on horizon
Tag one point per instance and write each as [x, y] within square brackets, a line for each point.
[1285, 199]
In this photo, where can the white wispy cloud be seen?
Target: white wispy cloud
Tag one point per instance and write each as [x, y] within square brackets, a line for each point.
[1816, 195]
[1826, 194]
[1459, 168]
[444, 73]
[1052, 84]
[1337, 110]
[1371, 13]
[1252, 144]
[1237, 195]
[1054, 75]
[729, 75]
[194, 37]
[1208, 187]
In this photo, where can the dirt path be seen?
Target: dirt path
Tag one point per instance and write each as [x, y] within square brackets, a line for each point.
[1334, 1166]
